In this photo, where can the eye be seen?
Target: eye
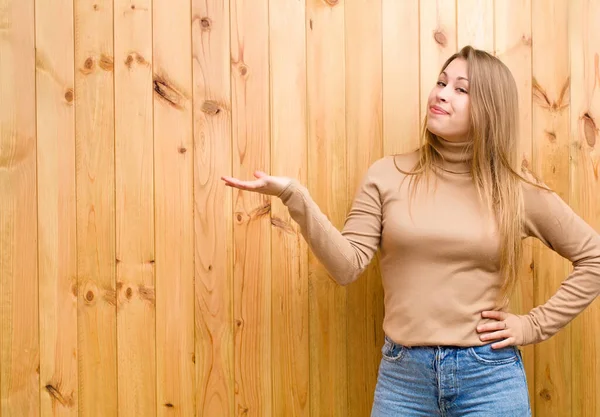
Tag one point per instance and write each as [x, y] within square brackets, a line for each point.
[462, 90]
[441, 84]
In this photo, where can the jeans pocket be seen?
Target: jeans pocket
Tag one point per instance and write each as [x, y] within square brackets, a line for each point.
[392, 351]
[487, 355]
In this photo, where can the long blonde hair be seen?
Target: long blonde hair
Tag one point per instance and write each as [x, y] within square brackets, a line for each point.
[493, 136]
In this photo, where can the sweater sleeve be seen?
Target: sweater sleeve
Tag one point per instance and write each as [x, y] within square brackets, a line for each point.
[552, 221]
[345, 254]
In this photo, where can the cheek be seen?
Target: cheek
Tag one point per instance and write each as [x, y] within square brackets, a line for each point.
[431, 98]
[464, 111]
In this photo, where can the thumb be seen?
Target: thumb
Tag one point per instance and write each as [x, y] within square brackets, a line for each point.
[260, 174]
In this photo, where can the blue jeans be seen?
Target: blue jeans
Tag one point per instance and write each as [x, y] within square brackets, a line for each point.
[450, 381]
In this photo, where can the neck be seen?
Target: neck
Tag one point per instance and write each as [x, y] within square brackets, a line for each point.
[457, 156]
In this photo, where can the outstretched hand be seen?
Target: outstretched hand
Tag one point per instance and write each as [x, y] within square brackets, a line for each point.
[264, 184]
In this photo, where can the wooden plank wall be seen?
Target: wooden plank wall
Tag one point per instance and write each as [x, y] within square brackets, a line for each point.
[132, 282]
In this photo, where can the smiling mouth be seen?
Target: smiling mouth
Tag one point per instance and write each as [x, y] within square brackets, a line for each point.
[436, 110]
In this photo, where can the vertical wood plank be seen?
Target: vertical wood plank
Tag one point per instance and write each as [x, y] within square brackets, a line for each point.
[252, 228]
[513, 46]
[134, 194]
[94, 133]
[401, 78]
[289, 260]
[173, 205]
[327, 184]
[19, 320]
[437, 42]
[584, 41]
[363, 34]
[475, 25]
[57, 218]
[550, 86]
[213, 223]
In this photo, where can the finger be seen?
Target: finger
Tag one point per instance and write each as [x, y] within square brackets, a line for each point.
[489, 327]
[495, 335]
[260, 174]
[505, 343]
[244, 185]
[493, 314]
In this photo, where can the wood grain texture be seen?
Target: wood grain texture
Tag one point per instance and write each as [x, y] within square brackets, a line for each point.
[475, 24]
[327, 183]
[57, 218]
[252, 225]
[401, 77]
[551, 84]
[19, 318]
[512, 23]
[289, 256]
[437, 42]
[94, 134]
[134, 196]
[584, 44]
[213, 225]
[174, 206]
[364, 120]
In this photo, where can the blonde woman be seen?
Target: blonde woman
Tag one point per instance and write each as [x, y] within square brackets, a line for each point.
[449, 219]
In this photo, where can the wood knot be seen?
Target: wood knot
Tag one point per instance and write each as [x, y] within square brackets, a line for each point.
[243, 70]
[440, 38]
[69, 95]
[545, 394]
[168, 93]
[210, 107]
[550, 135]
[133, 7]
[205, 23]
[239, 217]
[282, 224]
[238, 322]
[74, 289]
[589, 129]
[106, 62]
[169, 405]
[128, 293]
[89, 296]
[129, 61]
[88, 64]
[210, 267]
[96, 7]
[181, 149]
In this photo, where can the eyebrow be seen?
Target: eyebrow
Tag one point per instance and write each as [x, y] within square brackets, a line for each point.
[458, 78]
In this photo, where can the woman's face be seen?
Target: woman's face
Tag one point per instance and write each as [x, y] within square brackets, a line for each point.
[448, 105]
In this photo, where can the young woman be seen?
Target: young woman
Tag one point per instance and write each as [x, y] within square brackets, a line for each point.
[450, 240]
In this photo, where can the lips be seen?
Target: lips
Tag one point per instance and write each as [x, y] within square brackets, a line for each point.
[438, 110]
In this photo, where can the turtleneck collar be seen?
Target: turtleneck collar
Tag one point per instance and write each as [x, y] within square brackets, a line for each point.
[457, 156]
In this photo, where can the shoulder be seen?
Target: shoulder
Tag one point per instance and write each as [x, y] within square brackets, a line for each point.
[536, 193]
[543, 207]
[390, 163]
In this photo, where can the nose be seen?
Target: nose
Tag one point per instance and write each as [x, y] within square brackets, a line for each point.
[442, 94]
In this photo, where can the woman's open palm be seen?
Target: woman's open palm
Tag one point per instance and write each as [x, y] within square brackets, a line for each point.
[264, 184]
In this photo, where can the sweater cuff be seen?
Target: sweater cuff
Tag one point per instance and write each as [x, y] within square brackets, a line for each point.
[288, 191]
[527, 328]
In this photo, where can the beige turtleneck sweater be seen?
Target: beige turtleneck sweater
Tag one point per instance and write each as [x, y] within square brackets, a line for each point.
[440, 261]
